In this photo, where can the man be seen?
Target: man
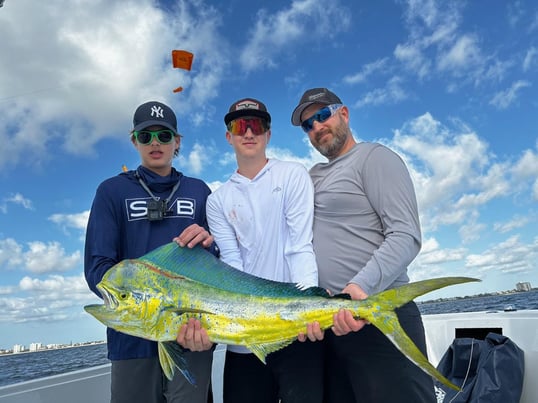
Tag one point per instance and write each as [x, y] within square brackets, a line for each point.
[132, 214]
[261, 219]
[366, 233]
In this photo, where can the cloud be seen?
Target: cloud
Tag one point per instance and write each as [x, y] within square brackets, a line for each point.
[461, 55]
[508, 256]
[432, 254]
[199, 157]
[17, 199]
[530, 58]
[89, 80]
[457, 176]
[366, 71]
[503, 99]
[39, 258]
[77, 221]
[54, 298]
[516, 222]
[304, 20]
[392, 93]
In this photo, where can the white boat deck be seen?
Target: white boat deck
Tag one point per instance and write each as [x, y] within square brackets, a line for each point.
[92, 385]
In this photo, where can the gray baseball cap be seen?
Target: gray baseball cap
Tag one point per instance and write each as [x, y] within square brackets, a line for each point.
[310, 97]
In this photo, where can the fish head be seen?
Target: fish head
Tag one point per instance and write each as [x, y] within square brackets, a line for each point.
[132, 299]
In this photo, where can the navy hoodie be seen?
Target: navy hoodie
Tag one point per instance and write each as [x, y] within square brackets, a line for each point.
[118, 229]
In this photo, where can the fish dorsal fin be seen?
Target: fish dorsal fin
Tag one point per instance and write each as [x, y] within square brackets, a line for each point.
[199, 265]
[262, 350]
[171, 357]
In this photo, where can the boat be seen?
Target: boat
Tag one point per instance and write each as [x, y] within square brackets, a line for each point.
[92, 385]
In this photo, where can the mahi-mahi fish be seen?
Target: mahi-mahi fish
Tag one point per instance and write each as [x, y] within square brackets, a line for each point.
[152, 296]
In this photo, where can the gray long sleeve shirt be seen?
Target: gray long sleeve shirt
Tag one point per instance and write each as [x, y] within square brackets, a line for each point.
[366, 225]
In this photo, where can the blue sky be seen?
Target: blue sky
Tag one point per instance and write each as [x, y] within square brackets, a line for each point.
[451, 86]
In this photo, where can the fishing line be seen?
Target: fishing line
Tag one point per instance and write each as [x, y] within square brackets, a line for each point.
[467, 374]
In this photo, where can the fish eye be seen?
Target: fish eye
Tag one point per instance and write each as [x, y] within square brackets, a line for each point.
[123, 295]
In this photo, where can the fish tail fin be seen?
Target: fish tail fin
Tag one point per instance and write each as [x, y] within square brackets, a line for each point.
[171, 357]
[399, 296]
[379, 311]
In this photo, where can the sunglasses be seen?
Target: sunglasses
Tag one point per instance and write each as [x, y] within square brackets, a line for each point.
[238, 127]
[146, 136]
[320, 116]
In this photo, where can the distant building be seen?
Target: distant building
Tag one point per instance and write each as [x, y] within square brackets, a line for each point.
[525, 286]
[18, 348]
[35, 346]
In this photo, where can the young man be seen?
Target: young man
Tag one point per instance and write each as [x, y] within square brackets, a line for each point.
[132, 214]
[366, 233]
[261, 219]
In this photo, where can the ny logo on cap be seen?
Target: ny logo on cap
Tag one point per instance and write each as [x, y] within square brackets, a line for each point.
[157, 111]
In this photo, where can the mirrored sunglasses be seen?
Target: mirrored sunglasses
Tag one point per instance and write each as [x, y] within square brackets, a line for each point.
[146, 136]
[238, 127]
[320, 116]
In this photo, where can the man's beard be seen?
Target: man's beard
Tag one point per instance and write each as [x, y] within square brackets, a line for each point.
[333, 148]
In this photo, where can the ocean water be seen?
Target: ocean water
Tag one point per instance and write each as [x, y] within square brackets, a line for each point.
[16, 368]
[519, 301]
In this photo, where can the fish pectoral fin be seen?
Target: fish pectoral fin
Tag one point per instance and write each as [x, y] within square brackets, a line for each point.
[262, 350]
[171, 357]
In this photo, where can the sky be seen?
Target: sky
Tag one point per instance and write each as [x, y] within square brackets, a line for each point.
[450, 86]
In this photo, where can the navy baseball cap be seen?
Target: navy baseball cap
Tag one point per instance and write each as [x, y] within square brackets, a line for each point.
[154, 113]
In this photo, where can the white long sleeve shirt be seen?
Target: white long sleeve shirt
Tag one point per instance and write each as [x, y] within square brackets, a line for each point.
[263, 226]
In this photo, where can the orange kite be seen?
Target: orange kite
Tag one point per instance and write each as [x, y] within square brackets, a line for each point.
[181, 59]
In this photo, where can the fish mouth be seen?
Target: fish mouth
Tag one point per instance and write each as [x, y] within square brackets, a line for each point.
[108, 298]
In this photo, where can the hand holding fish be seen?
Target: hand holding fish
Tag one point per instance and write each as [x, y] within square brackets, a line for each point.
[343, 320]
[193, 336]
[193, 235]
[313, 332]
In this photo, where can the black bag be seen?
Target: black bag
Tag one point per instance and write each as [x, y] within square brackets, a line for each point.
[488, 371]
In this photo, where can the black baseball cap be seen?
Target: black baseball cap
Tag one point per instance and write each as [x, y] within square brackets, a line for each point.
[313, 96]
[154, 113]
[247, 107]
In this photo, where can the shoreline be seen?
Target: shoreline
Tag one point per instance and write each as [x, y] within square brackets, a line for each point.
[489, 294]
[57, 347]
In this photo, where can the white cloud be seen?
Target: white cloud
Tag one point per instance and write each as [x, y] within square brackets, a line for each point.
[17, 199]
[506, 257]
[503, 99]
[462, 54]
[366, 71]
[77, 221]
[200, 157]
[305, 19]
[515, 223]
[392, 93]
[530, 58]
[52, 299]
[39, 258]
[93, 71]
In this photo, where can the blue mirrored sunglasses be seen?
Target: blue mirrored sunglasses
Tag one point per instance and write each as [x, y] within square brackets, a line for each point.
[320, 116]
